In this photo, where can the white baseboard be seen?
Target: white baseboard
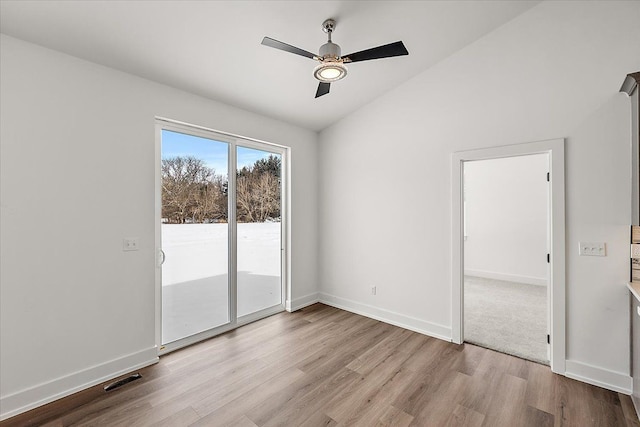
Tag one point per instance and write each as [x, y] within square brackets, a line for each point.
[611, 380]
[298, 303]
[540, 281]
[41, 394]
[387, 316]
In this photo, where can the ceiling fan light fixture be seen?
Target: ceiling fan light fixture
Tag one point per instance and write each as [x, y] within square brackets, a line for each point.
[330, 71]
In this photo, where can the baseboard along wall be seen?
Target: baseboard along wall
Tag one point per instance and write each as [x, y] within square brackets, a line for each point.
[41, 394]
[387, 316]
[611, 380]
[614, 381]
[302, 302]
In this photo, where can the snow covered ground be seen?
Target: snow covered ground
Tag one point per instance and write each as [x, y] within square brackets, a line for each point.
[195, 279]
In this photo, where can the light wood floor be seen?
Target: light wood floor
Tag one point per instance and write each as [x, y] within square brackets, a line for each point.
[322, 366]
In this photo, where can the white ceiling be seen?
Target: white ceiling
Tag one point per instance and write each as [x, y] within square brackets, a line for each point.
[212, 48]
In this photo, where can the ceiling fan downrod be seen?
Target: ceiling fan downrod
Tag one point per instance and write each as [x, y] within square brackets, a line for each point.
[329, 50]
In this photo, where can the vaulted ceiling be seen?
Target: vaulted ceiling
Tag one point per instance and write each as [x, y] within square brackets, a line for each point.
[212, 48]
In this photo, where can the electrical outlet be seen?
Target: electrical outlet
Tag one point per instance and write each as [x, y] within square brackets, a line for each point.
[373, 290]
[635, 251]
[592, 249]
[130, 244]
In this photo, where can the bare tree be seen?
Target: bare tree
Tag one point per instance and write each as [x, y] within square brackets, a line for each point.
[191, 190]
[211, 202]
[258, 191]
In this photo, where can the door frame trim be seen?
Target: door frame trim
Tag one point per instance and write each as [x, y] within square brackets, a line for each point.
[234, 141]
[555, 149]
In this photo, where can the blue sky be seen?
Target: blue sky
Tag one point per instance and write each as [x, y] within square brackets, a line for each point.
[213, 153]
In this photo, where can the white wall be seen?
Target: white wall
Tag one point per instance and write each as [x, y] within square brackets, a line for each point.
[506, 218]
[77, 175]
[385, 190]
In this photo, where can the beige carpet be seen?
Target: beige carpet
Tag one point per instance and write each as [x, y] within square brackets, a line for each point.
[506, 316]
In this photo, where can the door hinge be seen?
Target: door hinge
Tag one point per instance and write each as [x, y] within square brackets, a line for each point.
[548, 339]
[548, 258]
[548, 177]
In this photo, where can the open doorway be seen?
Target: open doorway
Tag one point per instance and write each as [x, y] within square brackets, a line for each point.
[554, 149]
[506, 216]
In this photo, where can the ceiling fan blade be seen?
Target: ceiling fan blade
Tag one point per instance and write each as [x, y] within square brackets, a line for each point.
[267, 41]
[386, 51]
[323, 89]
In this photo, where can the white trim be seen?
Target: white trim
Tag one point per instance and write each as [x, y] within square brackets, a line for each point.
[232, 222]
[41, 394]
[611, 380]
[387, 316]
[257, 315]
[195, 338]
[302, 302]
[157, 226]
[191, 127]
[218, 330]
[555, 149]
[286, 226]
[538, 281]
[457, 249]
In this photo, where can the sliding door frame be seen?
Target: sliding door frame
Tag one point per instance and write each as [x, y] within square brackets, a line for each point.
[233, 142]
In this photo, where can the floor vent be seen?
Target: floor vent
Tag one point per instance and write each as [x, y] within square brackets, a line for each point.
[122, 382]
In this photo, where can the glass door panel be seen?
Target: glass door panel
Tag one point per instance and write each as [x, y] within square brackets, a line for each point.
[194, 235]
[259, 231]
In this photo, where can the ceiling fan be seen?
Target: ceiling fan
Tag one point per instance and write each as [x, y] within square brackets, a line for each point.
[332, 65]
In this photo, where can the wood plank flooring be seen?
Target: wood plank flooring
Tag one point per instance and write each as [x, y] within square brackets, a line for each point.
[322, 366]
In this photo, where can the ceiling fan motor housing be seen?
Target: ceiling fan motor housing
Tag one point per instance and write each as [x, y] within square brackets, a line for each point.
[330, 51]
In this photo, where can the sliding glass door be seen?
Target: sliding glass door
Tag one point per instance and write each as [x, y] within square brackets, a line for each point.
[219, 233]
[195, 235]
[259, 230]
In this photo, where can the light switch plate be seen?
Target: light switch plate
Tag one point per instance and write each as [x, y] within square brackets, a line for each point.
[592, 249]
[130, 244]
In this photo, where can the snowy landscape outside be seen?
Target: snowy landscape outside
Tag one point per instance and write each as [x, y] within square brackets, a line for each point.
[195, 233]
[195, 279]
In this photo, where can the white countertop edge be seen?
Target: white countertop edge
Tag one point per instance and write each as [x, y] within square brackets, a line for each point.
[634, 287]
